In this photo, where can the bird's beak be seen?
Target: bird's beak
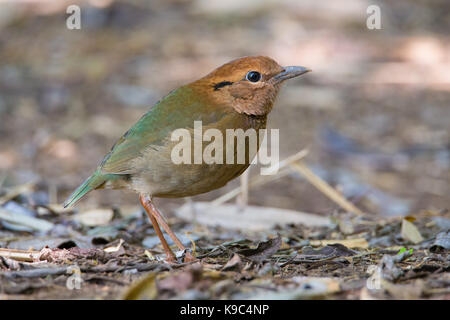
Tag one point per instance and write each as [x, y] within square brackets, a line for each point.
[290, 72]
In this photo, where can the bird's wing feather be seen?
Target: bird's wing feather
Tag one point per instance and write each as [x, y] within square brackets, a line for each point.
[179, 109]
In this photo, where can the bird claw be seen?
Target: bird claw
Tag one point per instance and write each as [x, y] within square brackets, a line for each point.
[189, 258]
[171, 260]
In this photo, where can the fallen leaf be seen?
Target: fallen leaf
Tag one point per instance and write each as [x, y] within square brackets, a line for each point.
[149, 255]
[234, 263]
[410, 232]
[441, 243]
[183, 280]
[349, 243]
[114, 248]
[143, 289]
[176, 282]
[307, 288]
[404, 292]
[95, 217]
[332, 250]
[152, 241]
[57, 208]
[37, 243]
[346, 226]
[25, 220]
[252, 218]
[263, 251]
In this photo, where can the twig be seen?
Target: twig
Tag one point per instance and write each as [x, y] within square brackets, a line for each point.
[117, 269]
[258, 181]
[14, 192]
[296, 260]
[261, 180]
[242, 200]
[324, 187]
[43, 272]
[286, 162]
[103, 278]
[20, 255]
[35, 273]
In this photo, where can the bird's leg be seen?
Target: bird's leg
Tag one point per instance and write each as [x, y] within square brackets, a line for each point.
[170, 255]
[157, 215]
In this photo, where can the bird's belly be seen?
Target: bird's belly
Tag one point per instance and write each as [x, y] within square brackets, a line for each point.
[184, 180]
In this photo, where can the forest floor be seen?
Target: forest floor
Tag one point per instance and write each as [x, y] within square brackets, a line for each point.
[347, 257]
[373, 114]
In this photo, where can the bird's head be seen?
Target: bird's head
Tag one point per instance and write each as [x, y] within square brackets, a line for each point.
[249, 85]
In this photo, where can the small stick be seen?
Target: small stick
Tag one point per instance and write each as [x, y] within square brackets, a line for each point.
[258, 181]
[261, 180]
[324, 187]
[14, 192]
[53, 193]
[43, 272]
[20, 255]
[35, 273]
[289, 160]
[242, 199]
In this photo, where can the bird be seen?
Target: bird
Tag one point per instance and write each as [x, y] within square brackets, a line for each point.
[237, 95]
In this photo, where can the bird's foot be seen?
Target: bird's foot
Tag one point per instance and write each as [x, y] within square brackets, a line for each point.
[188, 257]
[171, 260]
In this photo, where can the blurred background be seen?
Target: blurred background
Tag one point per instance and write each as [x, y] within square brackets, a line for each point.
[374, 113]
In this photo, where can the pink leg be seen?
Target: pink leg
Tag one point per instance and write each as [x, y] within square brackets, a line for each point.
[153, 211]
[170, 255]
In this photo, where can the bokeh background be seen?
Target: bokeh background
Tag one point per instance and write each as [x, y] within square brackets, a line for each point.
[374, 113]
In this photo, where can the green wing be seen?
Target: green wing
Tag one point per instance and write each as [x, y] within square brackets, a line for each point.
[179, 109]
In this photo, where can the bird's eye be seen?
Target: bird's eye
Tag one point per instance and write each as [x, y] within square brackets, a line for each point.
[253, 76]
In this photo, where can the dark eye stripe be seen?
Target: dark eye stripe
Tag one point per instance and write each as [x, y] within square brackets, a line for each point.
[219, 85]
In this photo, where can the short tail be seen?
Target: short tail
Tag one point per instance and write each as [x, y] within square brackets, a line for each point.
[93, 182]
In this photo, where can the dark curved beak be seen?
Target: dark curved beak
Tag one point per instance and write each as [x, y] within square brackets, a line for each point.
[290, 72]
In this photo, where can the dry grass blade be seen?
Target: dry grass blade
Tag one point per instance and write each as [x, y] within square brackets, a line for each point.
[253, 218]
[14, 192]
[258, 181]
[324, 187]
[349, 243]
[242, 200]
[289, 160]
[261, 180]
[20, 255]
